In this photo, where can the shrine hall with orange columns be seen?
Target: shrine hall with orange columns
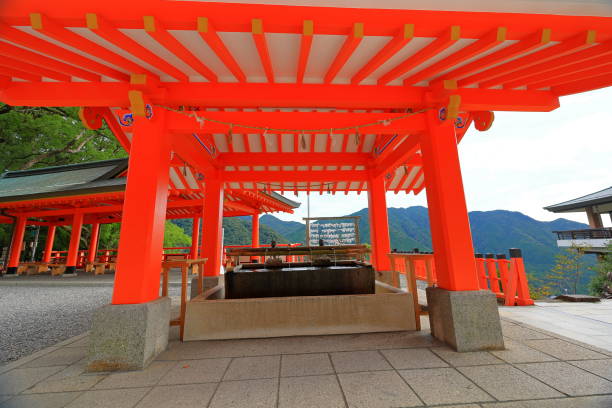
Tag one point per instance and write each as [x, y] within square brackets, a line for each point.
[260, 98]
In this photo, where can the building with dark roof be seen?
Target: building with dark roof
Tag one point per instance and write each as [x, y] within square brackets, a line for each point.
[595, 205]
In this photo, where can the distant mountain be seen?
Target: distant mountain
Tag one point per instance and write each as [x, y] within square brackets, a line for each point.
[492, 232]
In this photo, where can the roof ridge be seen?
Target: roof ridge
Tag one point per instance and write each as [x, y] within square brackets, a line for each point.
[61, 168]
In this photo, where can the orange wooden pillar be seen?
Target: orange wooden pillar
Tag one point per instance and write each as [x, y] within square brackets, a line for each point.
[255, 234]
[379, 224]
[212, 218]
[93, 243]
[75, 240]
[195, 237]
[144, 212]
[16, 244]
[49, 243]
[448, 216]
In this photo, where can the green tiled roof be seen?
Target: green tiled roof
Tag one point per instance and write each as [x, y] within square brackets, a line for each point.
[82, 178]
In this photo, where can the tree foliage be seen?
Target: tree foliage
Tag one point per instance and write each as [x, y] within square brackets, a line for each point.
[602, 282]
[565, 275]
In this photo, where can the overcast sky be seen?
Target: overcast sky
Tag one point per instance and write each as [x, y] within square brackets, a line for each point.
[523, 163]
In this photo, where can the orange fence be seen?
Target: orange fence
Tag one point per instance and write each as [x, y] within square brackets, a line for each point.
[504, 277]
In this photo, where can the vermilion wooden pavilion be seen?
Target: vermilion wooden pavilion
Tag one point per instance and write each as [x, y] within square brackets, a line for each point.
[299, 98]
[93, 193]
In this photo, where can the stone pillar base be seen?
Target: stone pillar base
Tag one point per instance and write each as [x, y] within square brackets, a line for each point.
[465, 320]
[209, 283]
[128, 337]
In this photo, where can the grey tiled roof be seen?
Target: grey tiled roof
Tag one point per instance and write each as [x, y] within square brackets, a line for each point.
[56, 181]
[600, 197]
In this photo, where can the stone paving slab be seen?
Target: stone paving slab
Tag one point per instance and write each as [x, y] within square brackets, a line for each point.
[456, 388]
[179, 396]
[377, 389]
[567, 378]
[506, 382]
[313, 391]
[602, 368]
[404, 369]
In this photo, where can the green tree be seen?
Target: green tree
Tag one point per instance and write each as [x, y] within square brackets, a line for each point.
[603, 277]
[565, 275]
[174, 236]
[47, 136]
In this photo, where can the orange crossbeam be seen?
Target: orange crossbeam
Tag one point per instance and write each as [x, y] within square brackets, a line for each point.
[106, 30]
[259, 38]
[117, 130]
[489, 41]
[291, 159]
[157, 31]
[295, 176]
[9, 50]
[389, 50]
[497, 75]
[29, 41]
[305, 46]
[210, 36]
[445, 40]
[349, 46]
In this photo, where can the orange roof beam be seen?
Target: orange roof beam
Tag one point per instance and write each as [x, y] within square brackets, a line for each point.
[398, 42]
[526, 44]
[583, 86]
[48, 27]
[259, 37]
[585, 75]
[106, 30]
[12, 72]
[34, 69]
[210, 36]
[350, 45]
[562, 64]
[446, 39]
[490, 40]
[9, 50]
[305, 46]
[505, 72]
[545, 79]
[45, 47]
[157, 31]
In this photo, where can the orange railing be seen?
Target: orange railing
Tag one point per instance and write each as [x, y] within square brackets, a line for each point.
[504, 277]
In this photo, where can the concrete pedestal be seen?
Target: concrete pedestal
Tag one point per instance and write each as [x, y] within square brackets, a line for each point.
[465, 320]
[128, 337]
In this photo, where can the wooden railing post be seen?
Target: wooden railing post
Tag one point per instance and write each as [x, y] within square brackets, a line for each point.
[492, 273]
[480, 269]
[522, 287]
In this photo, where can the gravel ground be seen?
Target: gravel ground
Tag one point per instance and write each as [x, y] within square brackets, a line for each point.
[33, 317]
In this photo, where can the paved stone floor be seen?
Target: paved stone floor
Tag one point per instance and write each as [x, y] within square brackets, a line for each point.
[402, 369]
[590, 323]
